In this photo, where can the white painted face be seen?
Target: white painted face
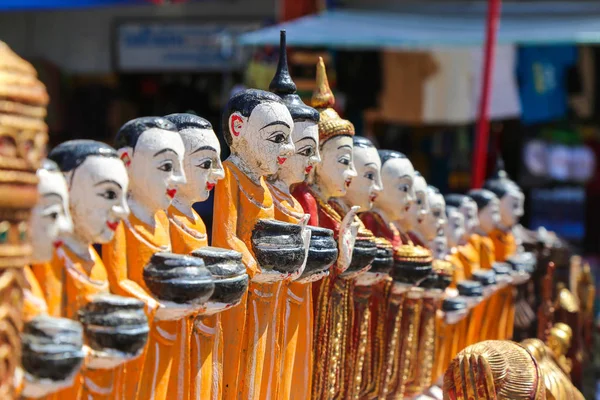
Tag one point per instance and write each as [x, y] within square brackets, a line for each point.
[306, 156]
[439, 245]
[156, 169]
[367, 185]
[455, 230]
[489, 216]
[336, 171]
[201, 164]
[98, 202]
[263, 140]
[420, 209]
[435, 220]
[511, 206]
[50, 218]
[468, 208]
[398, 195]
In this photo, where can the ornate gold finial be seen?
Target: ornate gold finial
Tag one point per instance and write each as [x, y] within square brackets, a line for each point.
[322, 96]
[330, 124]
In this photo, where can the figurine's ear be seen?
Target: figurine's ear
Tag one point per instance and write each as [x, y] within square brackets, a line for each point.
[236, 123]
[125, 154]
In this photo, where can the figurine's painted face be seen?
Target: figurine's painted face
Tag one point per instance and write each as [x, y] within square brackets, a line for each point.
[398, 195]
[264, 139]
[469, 210]
[336, 171]
[511, 206]
[201, 164]
[98, 189]
[489, 216]
[420, 209]
[435, 220]
[50, 218]
[455, 230]
[439, 245]
[367, 185]
[156, 169]
[306, 156]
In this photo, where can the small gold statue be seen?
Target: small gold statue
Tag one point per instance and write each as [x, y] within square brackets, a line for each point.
[559, 342]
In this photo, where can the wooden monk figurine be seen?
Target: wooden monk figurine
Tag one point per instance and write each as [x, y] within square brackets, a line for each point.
[97, 183]
[418, 211]
[328, 179]
[363, 347]
[152, 152]
[296, 308]
[257, 127]
[191, 378]
[50, 219]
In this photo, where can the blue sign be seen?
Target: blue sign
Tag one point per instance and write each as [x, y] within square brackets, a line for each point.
[180, 46]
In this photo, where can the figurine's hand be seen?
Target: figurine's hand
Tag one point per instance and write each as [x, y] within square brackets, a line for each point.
[306, 234]
[346, 239]
[169, 311]
[34, 388]
[107, 359]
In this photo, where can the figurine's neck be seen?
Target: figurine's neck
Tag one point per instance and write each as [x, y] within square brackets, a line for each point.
[383, 214]
[142, 211]
[79, 246]
[245, 168]
[504, 228]
[419, 236]
[340, 201]
[320, 192]
[280, 185]
[479, 231]
[184, 207]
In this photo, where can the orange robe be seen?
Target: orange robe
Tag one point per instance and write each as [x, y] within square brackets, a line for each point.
[296, 311]
[66, 283]
[505, 246]
[34, 302]
[251, 356]
[125, 258]
[197, 374]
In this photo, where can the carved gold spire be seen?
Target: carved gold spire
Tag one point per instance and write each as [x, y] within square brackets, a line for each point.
[330, 124]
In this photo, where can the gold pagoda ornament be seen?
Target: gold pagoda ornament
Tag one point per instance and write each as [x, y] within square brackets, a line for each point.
[23, 137]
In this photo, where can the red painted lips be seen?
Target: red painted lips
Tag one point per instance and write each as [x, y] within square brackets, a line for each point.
[308, 169]
[171, 192]
[209, 186]
[373, 197]
[57, 244]
[348, 182]
[281, 160]
[112, 225]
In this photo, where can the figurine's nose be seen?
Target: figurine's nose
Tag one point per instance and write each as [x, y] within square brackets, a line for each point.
[64, 224]
[121, 210]
[218, 172]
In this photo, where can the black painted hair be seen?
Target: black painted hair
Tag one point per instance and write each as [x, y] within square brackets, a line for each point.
[361, 141]
[49, 165]
[449, 209]
[499, 182]
[387, 155]
[455, 200]
[129, 133]
[244, 102]
[283, 86]
[186, 120]
[70, 155]
[482, 197]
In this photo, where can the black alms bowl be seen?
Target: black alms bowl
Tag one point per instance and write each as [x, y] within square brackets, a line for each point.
[178, 278]
[486, 277]
[523, 262]
[114, 323]
[363, 254]
[52, 347]
[384, 260]
[228, 273]
[322, 251]
[278, 246]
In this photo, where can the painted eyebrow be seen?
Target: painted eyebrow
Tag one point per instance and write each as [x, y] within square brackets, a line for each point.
[164, 151]
[370, 163]
[404, 176]
[275, 123]
[345, 146]
[204, 148]
[52, 195]
[308, 138]
[109, 181]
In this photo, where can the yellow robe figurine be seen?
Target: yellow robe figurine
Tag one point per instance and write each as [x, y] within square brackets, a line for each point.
[257, 127]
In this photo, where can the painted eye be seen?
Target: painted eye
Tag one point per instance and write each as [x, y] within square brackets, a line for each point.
[370, 176]
[344, 161]
[205, 165]
[277, 138]
[53, 216]
[167, 167]
[404, 188]
[436, 214]
[307, 152]
[109, 195]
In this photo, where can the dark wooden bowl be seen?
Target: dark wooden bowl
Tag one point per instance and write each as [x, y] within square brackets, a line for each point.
[363, 254]
[115, 323]
[384, 260]
[322, 251]
[278, 246]
[178, 278]
[228, 273]
[52, 347]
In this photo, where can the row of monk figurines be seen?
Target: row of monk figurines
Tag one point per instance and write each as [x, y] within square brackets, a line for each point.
[336, 271]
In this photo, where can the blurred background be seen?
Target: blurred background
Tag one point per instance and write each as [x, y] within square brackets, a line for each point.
[407, 74]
